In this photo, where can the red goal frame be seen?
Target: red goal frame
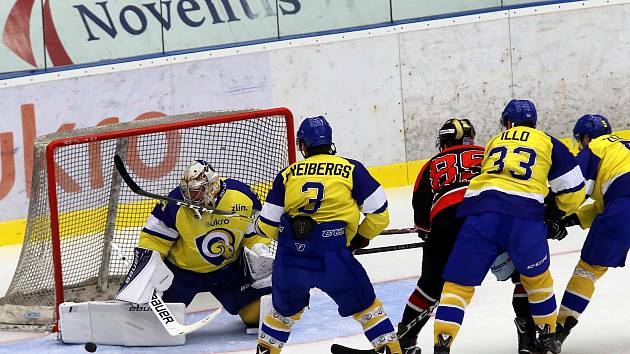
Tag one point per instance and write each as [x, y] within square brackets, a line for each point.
[52, 178]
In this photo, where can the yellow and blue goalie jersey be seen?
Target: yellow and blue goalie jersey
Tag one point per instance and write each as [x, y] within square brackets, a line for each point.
[209, 243]
[327, 188]
[605, 164]
[519, 168]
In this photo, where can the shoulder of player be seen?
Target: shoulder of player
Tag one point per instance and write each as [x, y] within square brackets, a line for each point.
[177, 194]
[350, 161]
[605, 140]
[318, 159]
[458, 149]
[236, 186]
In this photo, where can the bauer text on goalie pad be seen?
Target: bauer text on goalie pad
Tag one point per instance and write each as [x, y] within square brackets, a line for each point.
[116, 323]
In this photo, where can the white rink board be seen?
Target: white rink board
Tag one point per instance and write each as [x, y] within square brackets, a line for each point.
[583, 68]
[460, 71]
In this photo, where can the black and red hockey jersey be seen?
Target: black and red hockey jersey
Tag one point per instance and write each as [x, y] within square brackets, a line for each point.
[442, 182]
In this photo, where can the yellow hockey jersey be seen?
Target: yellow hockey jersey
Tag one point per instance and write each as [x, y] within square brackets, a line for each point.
[605, 164]
[327, 188]
[519, 168]
[209, 243]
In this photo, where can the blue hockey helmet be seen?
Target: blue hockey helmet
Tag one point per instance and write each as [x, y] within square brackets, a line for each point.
[314, 131]
[593, 125]
[519, 112]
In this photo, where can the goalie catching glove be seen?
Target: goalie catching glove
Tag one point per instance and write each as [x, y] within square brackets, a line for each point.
[147, 273]
[259, 265]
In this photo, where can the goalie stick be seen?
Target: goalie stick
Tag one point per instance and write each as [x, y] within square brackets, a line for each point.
[122, 170]
[164, 315]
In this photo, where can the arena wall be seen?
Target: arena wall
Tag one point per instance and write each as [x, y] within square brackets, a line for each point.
[386, 91]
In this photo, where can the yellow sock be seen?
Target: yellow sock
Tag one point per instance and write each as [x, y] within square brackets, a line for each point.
[579, 290]
[542, 301]
[275, 331]
[377, 327]
[450, 313]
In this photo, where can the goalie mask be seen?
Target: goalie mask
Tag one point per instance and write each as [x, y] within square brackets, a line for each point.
[200, 183]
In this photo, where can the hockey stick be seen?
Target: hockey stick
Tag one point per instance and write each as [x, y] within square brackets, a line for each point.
[402, 332]
[405, 246]
[164, 315]
[120, 166]
[407, 230]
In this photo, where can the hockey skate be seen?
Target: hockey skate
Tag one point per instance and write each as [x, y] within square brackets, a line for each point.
[408, 337]
[562, 332]
[444, 340]
[548, 342]
[526, 331]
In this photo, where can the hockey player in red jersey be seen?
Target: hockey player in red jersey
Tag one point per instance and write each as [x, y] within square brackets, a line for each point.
[438, 192]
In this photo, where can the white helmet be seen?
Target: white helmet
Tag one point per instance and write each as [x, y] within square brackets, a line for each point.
[200, 183]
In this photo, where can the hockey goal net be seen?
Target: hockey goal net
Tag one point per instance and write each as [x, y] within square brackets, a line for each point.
[80, 205]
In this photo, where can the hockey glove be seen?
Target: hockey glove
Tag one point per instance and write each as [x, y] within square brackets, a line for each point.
[556, 230]
[358, 242]
[571, 220]
[423, 235]
[259, 262]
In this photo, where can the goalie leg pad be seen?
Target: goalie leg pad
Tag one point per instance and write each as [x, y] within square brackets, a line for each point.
[116, 323]
[147, 273]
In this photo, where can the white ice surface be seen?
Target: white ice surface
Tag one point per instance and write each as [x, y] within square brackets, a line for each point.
[488, 328]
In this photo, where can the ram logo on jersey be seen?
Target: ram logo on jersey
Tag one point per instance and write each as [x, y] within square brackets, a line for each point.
[216, 246]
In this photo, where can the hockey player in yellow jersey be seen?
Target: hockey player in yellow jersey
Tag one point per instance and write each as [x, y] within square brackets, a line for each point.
[504, 210]
[313, 209]
[183, 252]
[605, 161]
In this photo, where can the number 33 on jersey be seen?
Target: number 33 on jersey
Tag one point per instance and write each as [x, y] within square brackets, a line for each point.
[520, 166]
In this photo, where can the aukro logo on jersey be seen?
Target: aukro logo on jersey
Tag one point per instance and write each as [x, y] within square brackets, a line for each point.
[106, 19]
[216, 246]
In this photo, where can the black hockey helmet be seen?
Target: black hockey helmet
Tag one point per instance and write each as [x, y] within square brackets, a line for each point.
[455, 132]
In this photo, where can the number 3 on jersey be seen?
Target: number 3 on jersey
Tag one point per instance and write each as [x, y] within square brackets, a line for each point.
[313, 203]
[526, 165]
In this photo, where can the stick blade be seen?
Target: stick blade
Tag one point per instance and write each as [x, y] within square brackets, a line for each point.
[340, 349]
